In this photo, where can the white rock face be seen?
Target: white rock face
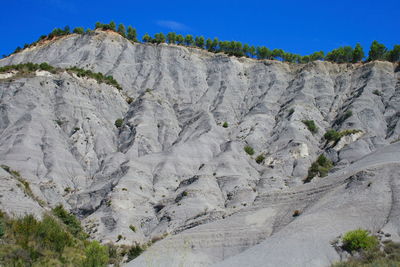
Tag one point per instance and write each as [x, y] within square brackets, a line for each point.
[173, 168]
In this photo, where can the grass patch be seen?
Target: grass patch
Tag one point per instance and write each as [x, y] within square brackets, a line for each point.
[311, 126]
[320, 167]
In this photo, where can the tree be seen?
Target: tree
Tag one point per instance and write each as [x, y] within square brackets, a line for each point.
[132, 34]
[215, 44]
[317, 56]
[189, 40]
[112, 25]
[199, 40]
[122, 30]
[263, 52]
[146, 38]
[208, 44]
[252, 51]
[340, 55]
[394, 55]
[79, 30]
[278, 53]
[98, 25]
[67, 30]
[358, 53]
[180, 39]
[246, 49]
[171, 38]
[159, 38]
[377, 51]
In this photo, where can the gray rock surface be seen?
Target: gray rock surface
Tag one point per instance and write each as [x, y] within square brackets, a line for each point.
[172, 168]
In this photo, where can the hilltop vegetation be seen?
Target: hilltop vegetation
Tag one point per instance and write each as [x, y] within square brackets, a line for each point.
[345, 54]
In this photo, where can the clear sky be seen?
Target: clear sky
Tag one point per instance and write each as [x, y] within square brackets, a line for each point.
[295, 26]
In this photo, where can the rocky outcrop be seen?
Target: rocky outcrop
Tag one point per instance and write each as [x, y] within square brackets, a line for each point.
[173, 168]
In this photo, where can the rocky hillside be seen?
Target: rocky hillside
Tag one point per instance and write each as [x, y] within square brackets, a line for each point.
[212, 154]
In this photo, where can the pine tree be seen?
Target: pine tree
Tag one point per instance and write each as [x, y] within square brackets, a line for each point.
[180, 39]
[377, 51]
[171, 38]
[189, 40]
[146, 38]
[79, 30]
[112, 26]
[358, 53]
[394, 54]
[122, 30]
[132, 34]
[199, 40]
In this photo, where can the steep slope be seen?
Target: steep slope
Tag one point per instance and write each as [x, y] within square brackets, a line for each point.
[172, 167]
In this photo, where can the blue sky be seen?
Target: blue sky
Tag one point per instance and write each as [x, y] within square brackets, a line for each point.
[296, 26]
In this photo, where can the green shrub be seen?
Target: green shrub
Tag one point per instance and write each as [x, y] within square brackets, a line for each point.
[260, 158]
[73, 224]
[133, 228]
[320, 167]
[359, 239]
[118, 123]
[310, 126]
[225, 125]
[332, 135]
[249, 150]
[52, 236]
[291, 111]
[96, 255]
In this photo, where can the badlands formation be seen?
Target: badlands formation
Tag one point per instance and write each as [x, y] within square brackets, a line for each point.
[176, 169]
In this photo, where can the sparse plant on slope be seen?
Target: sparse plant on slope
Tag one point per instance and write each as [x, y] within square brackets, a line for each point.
[332, 135]
[310, 126]
[118, 122]
[320, 167]
[260, 158]
[249, 150]
[99, 77]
